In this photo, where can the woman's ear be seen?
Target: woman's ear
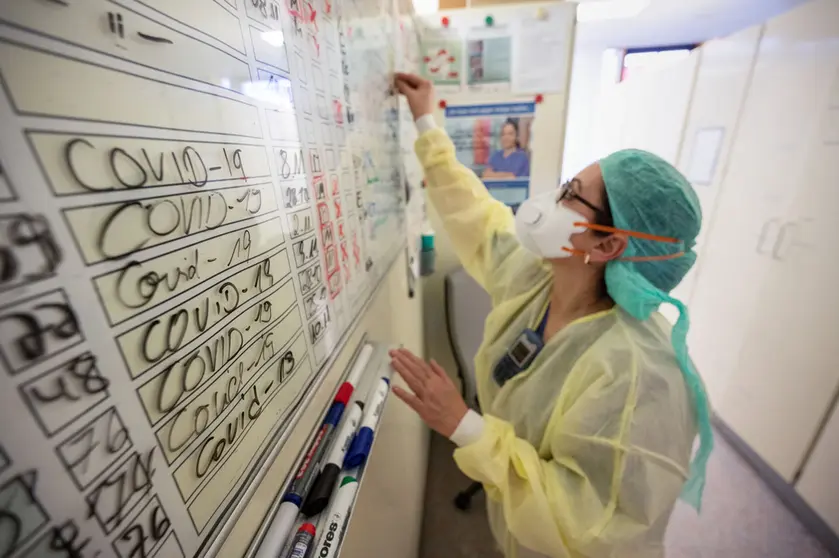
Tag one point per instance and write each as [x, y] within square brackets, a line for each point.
[609, 248]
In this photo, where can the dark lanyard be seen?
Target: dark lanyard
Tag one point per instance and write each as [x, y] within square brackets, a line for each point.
[540, 331]
[531, 342]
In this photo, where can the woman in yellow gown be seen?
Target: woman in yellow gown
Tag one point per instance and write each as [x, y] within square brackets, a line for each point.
[591, 404]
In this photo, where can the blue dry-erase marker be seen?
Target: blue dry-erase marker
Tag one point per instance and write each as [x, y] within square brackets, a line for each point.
[318, 497]
[363, 441]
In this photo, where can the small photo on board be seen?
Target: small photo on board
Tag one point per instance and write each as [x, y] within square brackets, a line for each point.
[494, 141]
[488, 60]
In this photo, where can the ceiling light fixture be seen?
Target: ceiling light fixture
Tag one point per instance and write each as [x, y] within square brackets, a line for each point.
[600, 10]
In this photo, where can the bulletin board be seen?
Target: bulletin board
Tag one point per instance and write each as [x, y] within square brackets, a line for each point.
[197, 200]
[497, 63]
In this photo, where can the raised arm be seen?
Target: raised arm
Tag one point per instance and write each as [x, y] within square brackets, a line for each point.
[481, 228]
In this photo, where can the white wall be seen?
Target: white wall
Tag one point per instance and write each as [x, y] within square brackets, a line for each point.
[583, 100]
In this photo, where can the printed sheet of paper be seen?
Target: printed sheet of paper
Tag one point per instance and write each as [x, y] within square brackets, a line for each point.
[542, 50]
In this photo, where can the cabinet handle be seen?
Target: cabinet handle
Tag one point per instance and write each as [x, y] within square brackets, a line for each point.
[764, 232]
[782, 234]
[154, 39]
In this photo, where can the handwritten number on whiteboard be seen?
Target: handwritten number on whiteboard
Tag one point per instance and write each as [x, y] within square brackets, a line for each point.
[33, 344]
[64, 540]
[242, 248]
[84, 371]
[158, 527]
[24, 232]
[115, 24]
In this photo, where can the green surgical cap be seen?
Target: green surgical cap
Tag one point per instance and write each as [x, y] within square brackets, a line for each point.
[647, 194]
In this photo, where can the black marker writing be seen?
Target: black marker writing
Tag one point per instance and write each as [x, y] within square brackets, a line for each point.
[65, 539]
[136, 292]
[20, 512]
[296, 195]
[84, 444]
[141, 539]
[21, 232]
[213, 449]
[310, 278]
[317, 329]
[161, 218]
[185, 375]
[305, 251]
[86, 378]
[132, 168]
[109, 500]
[241, 249]
[46, 321]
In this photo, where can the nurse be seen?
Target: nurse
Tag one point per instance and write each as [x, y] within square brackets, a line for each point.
[591, 404]
[511, 160]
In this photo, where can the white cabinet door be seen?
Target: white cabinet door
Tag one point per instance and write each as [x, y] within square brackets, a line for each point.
[788, 371]
[817, 484]
[722, 81]
[753, 202]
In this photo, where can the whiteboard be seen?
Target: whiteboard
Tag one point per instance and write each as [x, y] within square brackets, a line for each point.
[197, 200]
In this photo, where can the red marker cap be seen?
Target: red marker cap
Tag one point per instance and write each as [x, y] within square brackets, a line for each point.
[445, 21]
[539, 98]
[344, 393]
[307, 528]
[442, 104]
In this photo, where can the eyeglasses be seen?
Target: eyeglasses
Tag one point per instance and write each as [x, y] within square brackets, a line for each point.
[566, 192]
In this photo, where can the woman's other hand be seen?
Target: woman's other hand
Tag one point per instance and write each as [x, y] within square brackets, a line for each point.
[418, 91]
[435, 399]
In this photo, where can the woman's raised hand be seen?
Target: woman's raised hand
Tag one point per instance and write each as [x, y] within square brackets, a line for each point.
[435, 398]
[418, 91]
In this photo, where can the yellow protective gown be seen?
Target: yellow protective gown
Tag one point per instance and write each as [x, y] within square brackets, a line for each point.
[585, 452]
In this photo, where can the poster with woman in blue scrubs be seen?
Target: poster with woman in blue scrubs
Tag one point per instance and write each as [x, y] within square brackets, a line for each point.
[494, 141]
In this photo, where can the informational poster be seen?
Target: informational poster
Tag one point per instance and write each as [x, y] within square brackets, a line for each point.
[442, 58]
[489, 59]
[494, 140]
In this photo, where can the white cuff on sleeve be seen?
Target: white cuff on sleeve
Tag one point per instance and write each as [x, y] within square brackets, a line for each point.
[425, 122]
[469, 430]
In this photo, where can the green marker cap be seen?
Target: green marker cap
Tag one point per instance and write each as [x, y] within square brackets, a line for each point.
[348, 479]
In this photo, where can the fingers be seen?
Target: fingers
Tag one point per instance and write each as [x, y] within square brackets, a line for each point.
[403, 87]
[409, 398]
[437, 369]
[413, 359]
[411, 80]
[405, 369]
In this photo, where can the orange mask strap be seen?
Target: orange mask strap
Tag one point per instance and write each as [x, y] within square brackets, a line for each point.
[635, 234]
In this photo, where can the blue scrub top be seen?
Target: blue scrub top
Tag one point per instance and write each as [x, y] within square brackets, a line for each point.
[516, 162]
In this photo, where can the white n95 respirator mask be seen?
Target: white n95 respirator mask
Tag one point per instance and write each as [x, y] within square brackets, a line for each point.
[544, 226]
